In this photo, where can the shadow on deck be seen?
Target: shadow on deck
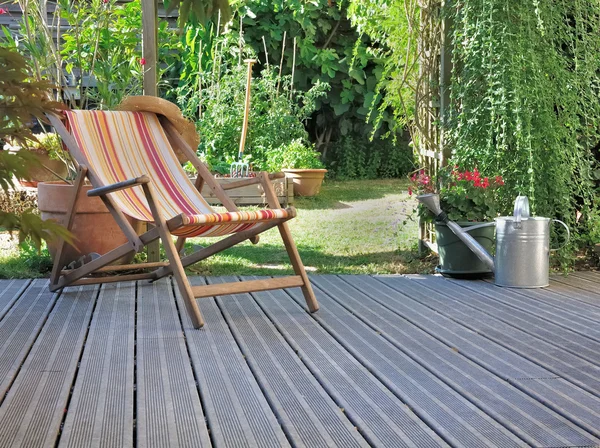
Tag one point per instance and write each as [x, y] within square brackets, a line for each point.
[388, 361]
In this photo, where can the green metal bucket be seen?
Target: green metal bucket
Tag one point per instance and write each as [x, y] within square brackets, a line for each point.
[456, 259]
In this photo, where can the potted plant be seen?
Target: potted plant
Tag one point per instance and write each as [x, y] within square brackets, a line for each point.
[468, 198]
[51, 158]
[301, 163]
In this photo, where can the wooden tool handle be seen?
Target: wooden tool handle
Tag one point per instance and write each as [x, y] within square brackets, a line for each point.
[250, 62]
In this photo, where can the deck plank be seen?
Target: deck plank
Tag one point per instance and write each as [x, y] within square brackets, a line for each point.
[20, 327]
[380, 416]
[101, 409]
[561, 303]
[308, 415]
[10, 291]
[33, 410]
[451, 415]
[551, 327]
[518, 411]
[169, 412]
[536, 350]
[583, 289]
[388, 361]
[238, 413]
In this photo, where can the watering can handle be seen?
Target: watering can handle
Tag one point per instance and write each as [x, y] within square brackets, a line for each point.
[568, 235]
[521, 210]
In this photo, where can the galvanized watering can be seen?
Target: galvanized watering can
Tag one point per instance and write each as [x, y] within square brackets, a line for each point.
[522, 244]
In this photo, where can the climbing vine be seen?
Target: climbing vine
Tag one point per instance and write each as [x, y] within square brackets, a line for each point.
[525, 89]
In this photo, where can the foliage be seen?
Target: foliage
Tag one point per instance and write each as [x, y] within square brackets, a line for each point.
[392, 27]
[199, 11]
[100, 49]
[20, 100]
[276, 115]
[312, 42]
[293, 155]
[525, 94]
[464, 195]
[357, 158]
[51, 144]
[24, 261]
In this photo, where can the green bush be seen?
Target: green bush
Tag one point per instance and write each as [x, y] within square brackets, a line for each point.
[293, 155]
[360, 158]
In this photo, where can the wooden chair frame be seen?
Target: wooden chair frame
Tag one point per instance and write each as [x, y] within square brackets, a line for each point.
[175, 266]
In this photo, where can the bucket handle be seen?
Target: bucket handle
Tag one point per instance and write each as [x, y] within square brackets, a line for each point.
[568, 235]
[479, 226]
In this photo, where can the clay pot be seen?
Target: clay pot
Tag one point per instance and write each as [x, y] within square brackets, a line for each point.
[307, 182]
[94, 228]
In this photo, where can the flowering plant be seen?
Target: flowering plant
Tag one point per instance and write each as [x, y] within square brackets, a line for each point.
[464, 195]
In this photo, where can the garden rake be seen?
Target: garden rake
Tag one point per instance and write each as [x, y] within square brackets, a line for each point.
[240, 168]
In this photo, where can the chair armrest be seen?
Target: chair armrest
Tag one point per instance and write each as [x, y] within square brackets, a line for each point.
[101, 191]
[251, 181]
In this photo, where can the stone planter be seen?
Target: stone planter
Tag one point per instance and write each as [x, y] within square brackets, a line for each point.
[456, 259]
[306, 182]
[94, 228]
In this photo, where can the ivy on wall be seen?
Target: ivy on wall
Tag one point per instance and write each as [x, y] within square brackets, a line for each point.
[525, 92]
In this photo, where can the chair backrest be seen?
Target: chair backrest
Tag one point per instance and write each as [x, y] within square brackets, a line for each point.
[123, 145]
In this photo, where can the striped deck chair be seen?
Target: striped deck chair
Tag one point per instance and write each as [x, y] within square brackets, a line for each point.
[131, 162]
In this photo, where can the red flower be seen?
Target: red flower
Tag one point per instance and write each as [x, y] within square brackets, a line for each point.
[3, 11]
[468, 175]
[104, 1]
[410, 191]
[477, 182]
[499, 180]
[486, 182]
[143, 61]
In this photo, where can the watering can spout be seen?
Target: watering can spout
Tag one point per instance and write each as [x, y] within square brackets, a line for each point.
[432, 202]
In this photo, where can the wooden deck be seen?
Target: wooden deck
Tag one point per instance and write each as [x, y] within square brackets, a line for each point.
[415, 361]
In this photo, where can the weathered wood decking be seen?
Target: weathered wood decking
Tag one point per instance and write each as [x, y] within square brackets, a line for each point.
[387, 361]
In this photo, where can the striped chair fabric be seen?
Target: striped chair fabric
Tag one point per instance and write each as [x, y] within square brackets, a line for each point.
[124, 145]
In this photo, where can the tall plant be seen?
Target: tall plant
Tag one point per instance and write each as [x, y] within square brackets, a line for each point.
[525, 93]
[21, 98]
[100, 51]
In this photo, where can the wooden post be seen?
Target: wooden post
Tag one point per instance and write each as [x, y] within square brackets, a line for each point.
[445, 78]
[150, 57]
[150, 45]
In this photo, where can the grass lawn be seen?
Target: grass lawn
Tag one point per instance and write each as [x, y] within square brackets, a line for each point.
[351, 227]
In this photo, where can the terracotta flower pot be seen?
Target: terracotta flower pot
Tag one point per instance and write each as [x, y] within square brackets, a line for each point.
[94, 228]
[307, 182]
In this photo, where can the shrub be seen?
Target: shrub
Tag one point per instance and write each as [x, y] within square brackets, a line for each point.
[293, 155]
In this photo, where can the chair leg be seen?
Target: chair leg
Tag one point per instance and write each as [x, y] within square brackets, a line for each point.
[290, 246]
[179, 244]
[174, 260]
[68, 223]
[181, 279]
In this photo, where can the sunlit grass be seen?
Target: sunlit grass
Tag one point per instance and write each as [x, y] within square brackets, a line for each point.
[351, 227]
